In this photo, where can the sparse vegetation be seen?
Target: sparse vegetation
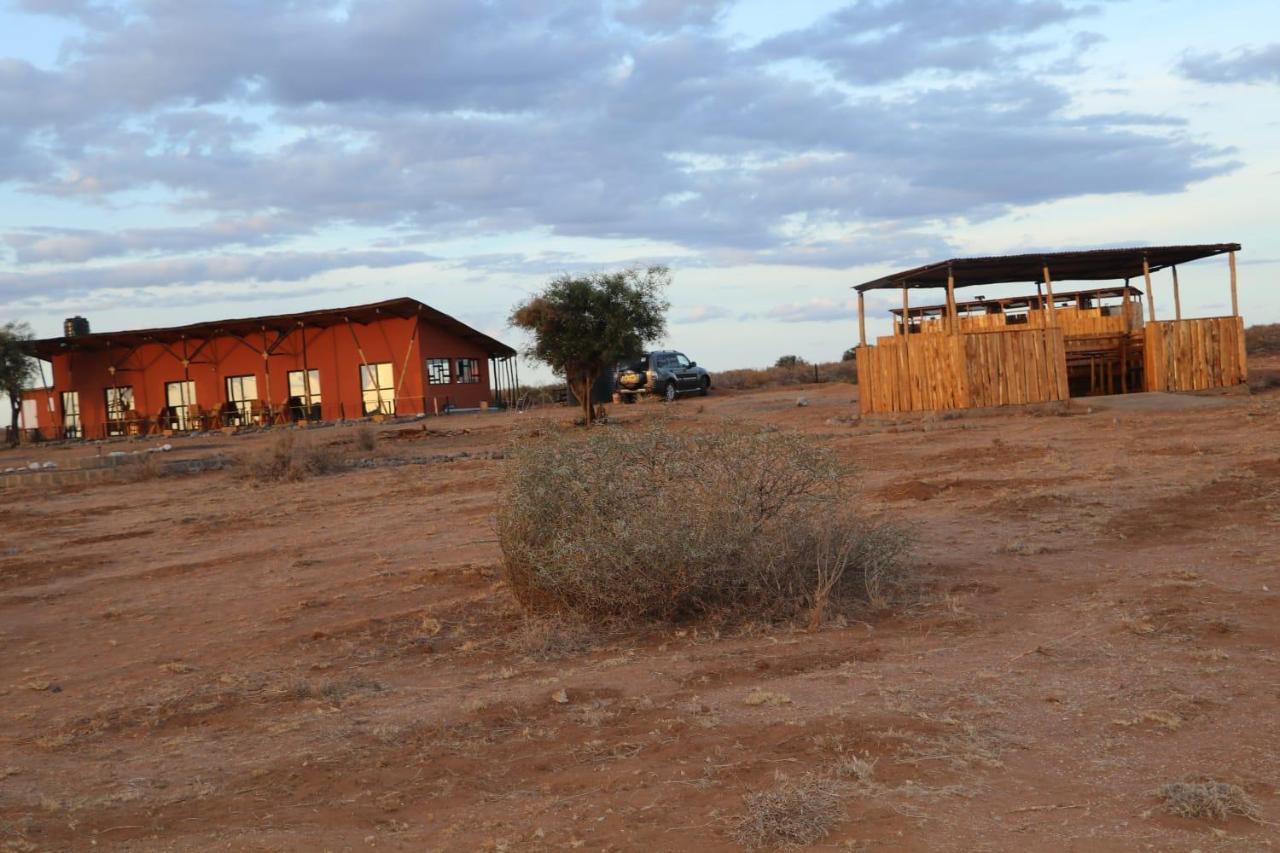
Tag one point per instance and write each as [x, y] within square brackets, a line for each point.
[1207, 800]
[657, 524]
[750, 378]
[365, 438]
[1262, 340]
[287, 458]
[793, 812]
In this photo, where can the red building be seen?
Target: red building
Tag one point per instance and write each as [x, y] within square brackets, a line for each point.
[398, 357]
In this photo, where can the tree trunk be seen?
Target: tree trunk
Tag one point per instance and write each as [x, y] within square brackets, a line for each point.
[15, 405]
[588, 410]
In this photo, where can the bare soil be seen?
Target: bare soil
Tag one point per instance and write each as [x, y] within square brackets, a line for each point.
[196, 662]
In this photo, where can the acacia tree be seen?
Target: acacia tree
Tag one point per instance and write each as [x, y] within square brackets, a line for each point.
[16, 368]
[583, 326]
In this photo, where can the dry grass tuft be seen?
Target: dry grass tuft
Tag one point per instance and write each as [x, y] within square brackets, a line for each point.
[288, 458]
[365, 438]
[552, 638]
[793, 813]
[663, 525]
[1207, 800]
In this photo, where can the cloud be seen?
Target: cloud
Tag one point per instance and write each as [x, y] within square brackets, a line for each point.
[77, 245]
[872, 42]
[1245, 65]
[266, 267]
[641, 122]
[701, 314]
[814, 311]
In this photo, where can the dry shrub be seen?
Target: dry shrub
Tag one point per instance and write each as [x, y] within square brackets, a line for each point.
[1207, 800]
[1262, 340]
[365, 437]
[287, 458]
[794, 812]
[657, 524]
[146, 467]
[768, 377]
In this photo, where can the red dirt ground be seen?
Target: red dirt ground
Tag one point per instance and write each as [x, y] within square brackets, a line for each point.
[195, 662]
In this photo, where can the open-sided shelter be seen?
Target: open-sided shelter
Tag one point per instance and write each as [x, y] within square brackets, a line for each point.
[1048, 345]
[397, 357]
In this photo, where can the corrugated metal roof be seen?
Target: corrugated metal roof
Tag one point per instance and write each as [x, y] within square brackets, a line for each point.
[1084, 265]
[279, 323]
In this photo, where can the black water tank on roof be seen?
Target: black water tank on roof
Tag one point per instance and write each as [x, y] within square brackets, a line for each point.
[74, 326]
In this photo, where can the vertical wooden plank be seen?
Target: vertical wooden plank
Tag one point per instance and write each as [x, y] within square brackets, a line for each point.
[1050, 317]
[1235, 301]
[1242, 358]
[862, 320]
[1151, 297]
[1177, 299]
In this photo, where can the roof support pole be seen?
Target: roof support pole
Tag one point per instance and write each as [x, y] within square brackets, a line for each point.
[951, 301]
[266, 366]
[1177, 299]
[1124, 305]
[1235, 301]
[1051, 318]
[1151, 299]
[364, 369]
[862, 320]
[404, 367]
[306, 372]
[906, 317]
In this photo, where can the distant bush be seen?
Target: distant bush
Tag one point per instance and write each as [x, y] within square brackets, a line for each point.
[748, 378]
[366, 438]
[656, 524]
[1262, 340]
[789, 361]
[287, 458]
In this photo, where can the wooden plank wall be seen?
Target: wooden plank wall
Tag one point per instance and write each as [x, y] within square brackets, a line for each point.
[1194, 355]
[1073, 321]
[933, 372]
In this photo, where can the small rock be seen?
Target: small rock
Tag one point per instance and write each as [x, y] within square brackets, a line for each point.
[560, 697]
[802, 402]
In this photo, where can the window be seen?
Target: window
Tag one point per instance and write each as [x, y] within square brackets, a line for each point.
[119, 404]
[179, 397]
[681, 361]
[304, 394]
[438, 371]
[71, 414]
[378, 389]
[468, 370]
[242, 393]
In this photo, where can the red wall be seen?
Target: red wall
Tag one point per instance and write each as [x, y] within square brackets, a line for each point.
[335, 351]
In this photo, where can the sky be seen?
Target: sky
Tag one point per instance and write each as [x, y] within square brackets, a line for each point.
[173, 161]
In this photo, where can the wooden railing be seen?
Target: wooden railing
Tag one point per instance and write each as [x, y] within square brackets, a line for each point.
[1194, 355]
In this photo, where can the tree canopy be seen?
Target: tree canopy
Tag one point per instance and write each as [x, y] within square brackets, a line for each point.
[16, 369]
[790, 361]
[584, 325]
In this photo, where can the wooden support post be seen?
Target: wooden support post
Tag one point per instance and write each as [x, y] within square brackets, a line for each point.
[906, 312]
[1051, 317]
[1177, 298]
[266, 369]
[364, 364]
[1235, 301]
[306, 372]
[951, 301]
[1151, 300]
[1124, 306]
[862, 320]
[404, 368]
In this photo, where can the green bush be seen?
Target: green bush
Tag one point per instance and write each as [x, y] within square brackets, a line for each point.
[659, 524]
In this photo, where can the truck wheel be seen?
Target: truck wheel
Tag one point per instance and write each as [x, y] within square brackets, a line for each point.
[669, 393]
[705, 387]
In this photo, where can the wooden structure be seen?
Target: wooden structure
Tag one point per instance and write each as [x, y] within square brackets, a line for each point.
[397, 357]
[1045, 347]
